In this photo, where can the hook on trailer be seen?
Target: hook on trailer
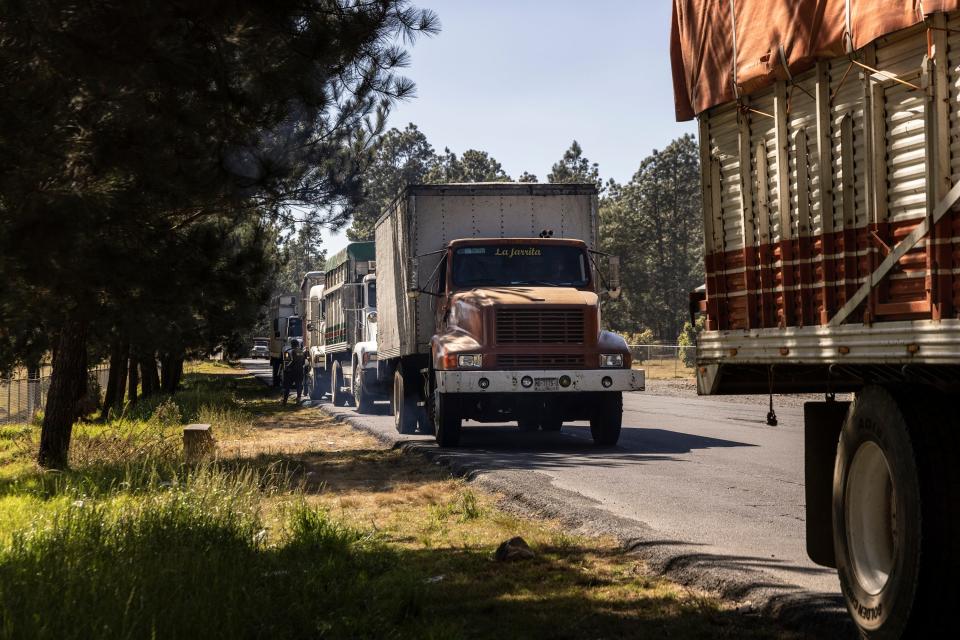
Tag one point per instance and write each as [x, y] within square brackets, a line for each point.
[771, 415]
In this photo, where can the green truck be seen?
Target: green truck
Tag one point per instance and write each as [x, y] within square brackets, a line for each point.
[338, 314]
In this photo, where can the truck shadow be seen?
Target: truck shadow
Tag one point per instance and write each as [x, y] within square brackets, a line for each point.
[577, 439]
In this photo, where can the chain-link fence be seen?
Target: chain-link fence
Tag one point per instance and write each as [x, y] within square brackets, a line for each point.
[665, 358]
[22, 397]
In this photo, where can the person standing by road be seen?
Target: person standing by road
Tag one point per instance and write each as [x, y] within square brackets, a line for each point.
[294, 362]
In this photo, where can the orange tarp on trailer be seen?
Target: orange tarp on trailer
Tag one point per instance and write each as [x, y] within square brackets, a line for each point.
[721, 49]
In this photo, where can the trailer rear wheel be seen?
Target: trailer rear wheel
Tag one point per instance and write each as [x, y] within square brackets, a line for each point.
[895, 533]
[404, 405]
[606, 419]
[338, 396]
[447, 419]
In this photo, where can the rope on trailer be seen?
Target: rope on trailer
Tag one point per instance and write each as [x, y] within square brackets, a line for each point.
[744, 108]
[771, 415]
[842, 80]
[733, 33]
[889, 76]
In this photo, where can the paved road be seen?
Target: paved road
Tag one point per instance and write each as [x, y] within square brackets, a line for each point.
[705, 476]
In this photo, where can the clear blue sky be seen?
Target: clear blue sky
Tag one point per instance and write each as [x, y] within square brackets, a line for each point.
[521, 79]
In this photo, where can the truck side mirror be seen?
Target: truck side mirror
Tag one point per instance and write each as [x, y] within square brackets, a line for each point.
[310, 327]
[613, 283]
[413, 290]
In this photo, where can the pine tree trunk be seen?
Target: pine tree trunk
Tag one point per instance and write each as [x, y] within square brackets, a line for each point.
[171, 372]
[150, 380]
[134, 379]
[68, 384]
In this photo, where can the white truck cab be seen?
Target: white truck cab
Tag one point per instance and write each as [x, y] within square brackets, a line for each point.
[365, 386]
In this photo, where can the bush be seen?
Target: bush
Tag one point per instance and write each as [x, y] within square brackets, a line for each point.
[688, 341]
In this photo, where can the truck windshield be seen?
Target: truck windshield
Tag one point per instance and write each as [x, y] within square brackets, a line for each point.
[294, 327]
[519, 264]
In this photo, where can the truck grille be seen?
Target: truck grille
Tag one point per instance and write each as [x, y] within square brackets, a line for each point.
[540, 360]
[539, 326]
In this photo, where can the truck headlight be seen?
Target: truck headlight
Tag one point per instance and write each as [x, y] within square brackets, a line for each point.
[611, 360]
[470, 361]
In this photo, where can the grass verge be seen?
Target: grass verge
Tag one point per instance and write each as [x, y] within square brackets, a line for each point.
[302, 527]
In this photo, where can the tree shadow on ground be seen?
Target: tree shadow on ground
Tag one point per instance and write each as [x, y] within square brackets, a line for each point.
[323, 582]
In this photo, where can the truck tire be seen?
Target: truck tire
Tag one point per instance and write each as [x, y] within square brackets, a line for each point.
[528, 426]
[404, 404]
[606, 418]
[338, 396]
[447, 421]
[321, 381]
[894, 503]
[551, 424]
[360, 395]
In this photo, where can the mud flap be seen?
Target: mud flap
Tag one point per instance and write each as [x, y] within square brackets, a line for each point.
[822, 422]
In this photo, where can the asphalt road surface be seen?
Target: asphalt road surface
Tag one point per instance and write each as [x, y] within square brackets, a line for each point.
[705, 477]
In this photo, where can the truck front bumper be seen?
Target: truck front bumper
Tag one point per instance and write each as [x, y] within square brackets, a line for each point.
[541, 381]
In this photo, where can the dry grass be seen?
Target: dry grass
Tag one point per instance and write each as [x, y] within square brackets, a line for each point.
[448, 530]
[669, 369]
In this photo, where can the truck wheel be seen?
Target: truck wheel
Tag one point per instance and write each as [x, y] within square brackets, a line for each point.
[894, 501]
[606, 419]
[527, 426]
[447, 421]
[404, 405]
[551, 424]
[320, 383]
[360, 395]
[338, 396]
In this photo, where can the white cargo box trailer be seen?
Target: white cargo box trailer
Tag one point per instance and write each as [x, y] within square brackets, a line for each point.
[411, 235]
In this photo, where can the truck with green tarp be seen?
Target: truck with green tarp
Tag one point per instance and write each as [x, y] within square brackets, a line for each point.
[342, 319]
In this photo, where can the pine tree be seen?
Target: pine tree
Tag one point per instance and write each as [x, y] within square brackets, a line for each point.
[653, 222]
[145, 144]
[575, 168]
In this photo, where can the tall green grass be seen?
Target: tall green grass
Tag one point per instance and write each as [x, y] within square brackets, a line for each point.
[131, 542]
[196, 558]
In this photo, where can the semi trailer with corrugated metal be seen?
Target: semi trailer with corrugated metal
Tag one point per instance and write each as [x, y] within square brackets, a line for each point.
[830, 160]
[489, 310]
[341, 316]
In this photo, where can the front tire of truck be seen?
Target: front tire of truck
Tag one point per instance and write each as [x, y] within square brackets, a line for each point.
[404, 404]
[606, 419]
[447, 421]
[321, 382]
[894, 502]
[338, 396]
[360, 395]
